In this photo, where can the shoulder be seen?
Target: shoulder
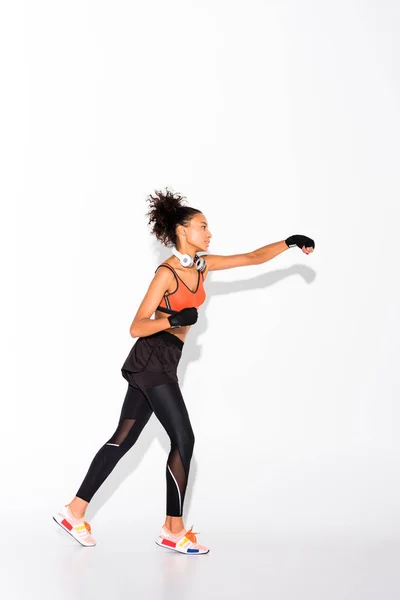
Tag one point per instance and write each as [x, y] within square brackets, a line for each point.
[164, 272]
[207, 267]
[204, 273]
[166, 266]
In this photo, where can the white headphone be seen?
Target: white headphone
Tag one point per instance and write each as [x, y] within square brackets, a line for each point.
[187, 261]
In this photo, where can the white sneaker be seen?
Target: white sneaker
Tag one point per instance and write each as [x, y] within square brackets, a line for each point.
[78, 528]
[185, 541]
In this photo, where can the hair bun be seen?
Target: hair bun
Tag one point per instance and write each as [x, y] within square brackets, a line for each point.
[166, 210]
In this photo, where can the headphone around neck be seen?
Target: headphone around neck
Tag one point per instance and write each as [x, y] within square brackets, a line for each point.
[187, 261]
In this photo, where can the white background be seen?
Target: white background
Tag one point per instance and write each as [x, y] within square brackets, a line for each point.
[273, 118]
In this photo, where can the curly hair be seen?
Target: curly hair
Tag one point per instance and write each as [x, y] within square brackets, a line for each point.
[165, 213]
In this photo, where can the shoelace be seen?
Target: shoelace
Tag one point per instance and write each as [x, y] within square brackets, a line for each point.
[87, 525]
[191, 535]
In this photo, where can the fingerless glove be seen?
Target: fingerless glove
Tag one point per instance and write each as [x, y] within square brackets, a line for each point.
[300, 241]
[186, 316]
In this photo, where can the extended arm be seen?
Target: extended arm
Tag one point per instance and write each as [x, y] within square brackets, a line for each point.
[261, 255]
[265, 253]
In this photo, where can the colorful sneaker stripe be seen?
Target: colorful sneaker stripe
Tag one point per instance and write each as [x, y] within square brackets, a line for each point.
[66, 524]
[187, 544]
[169, 543]
[75, 527]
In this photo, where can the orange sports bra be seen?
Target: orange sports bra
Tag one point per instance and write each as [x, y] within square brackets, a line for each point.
[182, 297]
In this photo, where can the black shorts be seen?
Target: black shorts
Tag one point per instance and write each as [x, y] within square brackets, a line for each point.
[153, 360]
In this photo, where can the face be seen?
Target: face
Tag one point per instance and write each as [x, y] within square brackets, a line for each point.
[197, 233]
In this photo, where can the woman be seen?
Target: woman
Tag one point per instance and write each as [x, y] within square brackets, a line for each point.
[173, 296]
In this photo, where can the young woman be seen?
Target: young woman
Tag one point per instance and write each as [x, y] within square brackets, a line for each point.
[173, 296]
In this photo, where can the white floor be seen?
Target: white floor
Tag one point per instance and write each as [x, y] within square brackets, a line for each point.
[127, 565]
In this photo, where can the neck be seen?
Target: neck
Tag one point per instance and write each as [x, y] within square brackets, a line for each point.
[188, 250]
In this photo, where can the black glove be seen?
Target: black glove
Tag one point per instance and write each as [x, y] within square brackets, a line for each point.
[300, 241]
[186, 316]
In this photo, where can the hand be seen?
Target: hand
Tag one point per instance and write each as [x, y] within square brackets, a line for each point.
[303, 242]
[186, 316]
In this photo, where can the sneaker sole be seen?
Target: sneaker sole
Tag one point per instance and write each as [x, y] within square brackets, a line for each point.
[180, 551]
[72, 535]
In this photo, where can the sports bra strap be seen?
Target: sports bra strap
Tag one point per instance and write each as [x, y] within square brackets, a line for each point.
[167, 310]
[172, 269]
[165, 265]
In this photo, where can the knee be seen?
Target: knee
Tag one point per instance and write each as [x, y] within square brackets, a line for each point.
[191, 440]
[125, 435]
[188, 437]
[185, 442]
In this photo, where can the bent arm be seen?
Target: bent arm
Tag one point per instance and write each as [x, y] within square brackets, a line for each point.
[142, 324]
[147, 326]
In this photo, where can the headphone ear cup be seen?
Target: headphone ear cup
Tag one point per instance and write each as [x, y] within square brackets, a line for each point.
[186, 260]
[200, 263]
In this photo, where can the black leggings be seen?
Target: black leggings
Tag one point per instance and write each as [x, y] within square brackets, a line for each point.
[159, 356]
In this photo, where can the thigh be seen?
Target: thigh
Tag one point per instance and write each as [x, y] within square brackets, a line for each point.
[136, 405]
[135, 413]
[168, 405]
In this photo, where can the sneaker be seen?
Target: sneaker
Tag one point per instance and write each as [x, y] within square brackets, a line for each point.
[185, 541]
[78, 528]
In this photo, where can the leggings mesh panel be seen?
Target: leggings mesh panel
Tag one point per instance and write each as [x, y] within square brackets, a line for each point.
[122, 431]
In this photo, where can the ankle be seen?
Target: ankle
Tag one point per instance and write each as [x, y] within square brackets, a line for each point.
[174, 527]
[77, 510]
[75, 513]
[172, 522]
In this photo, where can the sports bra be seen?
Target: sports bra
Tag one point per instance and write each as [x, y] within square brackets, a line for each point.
[182, 297]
